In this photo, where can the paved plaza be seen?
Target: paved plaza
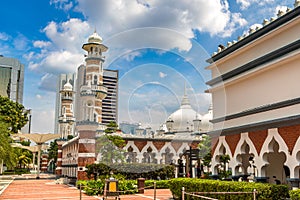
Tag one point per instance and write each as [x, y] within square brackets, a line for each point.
[47, 189]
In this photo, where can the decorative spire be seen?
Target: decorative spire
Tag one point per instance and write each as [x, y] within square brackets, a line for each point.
[185, 100]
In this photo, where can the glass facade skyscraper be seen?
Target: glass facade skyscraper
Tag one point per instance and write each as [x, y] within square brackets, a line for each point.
[11, 79]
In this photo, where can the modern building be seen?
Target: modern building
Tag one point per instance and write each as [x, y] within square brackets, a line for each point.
[11, 79]
[129, 128]
[110, 102]
[90, 94]
[256, 101]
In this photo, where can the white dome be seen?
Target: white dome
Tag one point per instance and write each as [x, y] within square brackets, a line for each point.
[206, 125]
[68, 87]
[95, 38]
[184, 116]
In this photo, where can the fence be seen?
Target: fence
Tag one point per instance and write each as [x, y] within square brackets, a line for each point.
[199, 194]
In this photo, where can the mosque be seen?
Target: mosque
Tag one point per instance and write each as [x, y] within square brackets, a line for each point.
[255, 94]
[181, 131]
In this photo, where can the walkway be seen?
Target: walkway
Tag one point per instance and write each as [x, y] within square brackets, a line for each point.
[44, 189]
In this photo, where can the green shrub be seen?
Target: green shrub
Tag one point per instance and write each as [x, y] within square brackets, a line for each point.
[91, 187]
[160, 184]
[294, 194]
[132, 170]
[130, 186]
[264, 191]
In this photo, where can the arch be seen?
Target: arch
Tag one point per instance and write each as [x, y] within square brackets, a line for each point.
[172, 151]
[275, 159]
[95, 80]
[149, 153]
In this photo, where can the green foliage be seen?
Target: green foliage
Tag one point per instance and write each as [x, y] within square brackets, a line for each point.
[93, 187]
[160, 184]
[294, 194]
[110, 148]
[53, 151]
[7, 153]
[13, 114]
[223, 173]
[264, 191]
[205, 146]
[128, 186]
[131, 170]
[111, 127]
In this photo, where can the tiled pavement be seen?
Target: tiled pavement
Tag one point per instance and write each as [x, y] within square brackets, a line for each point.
[45, 189]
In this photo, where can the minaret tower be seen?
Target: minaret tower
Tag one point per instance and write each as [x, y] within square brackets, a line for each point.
[93, 92]
[66, 119]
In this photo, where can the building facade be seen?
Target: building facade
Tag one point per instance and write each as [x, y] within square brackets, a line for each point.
[11, 79]
[256, 104]
[91, 94]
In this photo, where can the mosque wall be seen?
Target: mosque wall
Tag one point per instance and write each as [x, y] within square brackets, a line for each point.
[258, 77]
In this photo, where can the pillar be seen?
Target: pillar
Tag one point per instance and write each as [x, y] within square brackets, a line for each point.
[86, 147]
[44, 162]
[58, 170]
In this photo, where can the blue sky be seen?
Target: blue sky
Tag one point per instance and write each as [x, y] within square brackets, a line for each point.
[157, 46]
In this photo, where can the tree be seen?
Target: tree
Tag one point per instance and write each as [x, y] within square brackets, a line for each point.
[110, 148]
[13, 113]
[205, 151]
[7, 153]
[53, 151]
[112, 127]
[223, 172]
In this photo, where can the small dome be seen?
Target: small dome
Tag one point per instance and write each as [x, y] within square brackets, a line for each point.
[68, 87]
[184, 116]
[206, 125]
[95, 38]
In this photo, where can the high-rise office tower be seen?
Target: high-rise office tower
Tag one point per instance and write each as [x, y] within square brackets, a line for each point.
[11, 79]
[110, 103]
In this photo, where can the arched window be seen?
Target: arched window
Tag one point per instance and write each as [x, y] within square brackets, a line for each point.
[95, 117]
[95, 80]
[63, 110]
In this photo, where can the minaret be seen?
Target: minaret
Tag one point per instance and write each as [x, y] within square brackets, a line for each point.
[91, 95]
[66, 119]
[93, 92]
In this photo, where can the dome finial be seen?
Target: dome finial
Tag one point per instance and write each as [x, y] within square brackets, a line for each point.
[184, 88]
[185, 99]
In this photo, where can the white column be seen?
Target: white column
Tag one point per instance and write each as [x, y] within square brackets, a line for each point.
[39, 160]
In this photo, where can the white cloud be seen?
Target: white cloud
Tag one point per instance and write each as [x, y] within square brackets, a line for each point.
[183, 16]
[62, 4]
[41, 44]
[38, 96]
[245, 4]
[40, 121]
[4, 36]
[162, 75]
[21, 42]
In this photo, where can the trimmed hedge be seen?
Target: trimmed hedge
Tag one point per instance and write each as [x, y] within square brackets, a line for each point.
[295, 194]
[264, 191]
[132, 170]
[161, 184]
[94, 188]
